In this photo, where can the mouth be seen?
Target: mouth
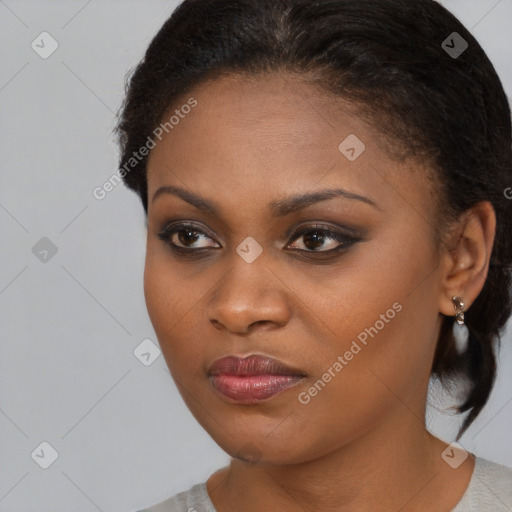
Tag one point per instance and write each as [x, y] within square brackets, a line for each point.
[252, 379]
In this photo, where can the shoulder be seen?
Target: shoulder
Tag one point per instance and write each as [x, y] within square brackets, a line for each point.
[195, 499]
[490, 488]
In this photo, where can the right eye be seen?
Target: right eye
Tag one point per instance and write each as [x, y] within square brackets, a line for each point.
[185, 237]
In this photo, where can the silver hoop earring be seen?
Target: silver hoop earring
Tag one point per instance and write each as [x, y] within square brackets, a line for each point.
[460, 329]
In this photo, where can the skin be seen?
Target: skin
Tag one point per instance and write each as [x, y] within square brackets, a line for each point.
[360, 443]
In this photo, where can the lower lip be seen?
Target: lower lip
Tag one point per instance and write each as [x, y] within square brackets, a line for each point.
[253, 388]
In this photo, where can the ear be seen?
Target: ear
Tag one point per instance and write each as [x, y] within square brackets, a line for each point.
[466, 255]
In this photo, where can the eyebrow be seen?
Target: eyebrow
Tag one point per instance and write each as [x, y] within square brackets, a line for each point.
[278, 208]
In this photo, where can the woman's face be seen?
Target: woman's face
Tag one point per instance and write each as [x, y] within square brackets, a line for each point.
[342, 289]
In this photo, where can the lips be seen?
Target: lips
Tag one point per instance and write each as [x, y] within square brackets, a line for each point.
[252, 379]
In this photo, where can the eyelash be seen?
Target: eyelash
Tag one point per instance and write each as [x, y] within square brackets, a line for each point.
[345, 239]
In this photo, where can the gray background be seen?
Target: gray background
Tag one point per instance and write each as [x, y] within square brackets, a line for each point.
[69, 325]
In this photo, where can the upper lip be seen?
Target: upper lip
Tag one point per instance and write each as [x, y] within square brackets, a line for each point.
[251, 365]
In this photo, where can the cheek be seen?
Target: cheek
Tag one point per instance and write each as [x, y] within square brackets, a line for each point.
[385, 336]
[383, 297]
[158, 293]
[172, 302]
[385, 317]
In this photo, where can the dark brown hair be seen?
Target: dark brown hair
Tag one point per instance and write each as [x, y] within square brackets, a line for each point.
[390, 58]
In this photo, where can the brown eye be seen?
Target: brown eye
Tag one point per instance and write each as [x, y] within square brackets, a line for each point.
[314, 240]
[185, 236]
[320, 239]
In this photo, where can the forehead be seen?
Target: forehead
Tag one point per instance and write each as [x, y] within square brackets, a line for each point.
[273, 135]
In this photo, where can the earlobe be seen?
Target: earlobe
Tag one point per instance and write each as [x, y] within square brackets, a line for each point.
[467, 260]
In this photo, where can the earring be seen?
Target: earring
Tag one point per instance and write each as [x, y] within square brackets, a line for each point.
[460, 329]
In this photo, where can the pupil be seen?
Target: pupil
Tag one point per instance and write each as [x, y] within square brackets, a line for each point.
[187, 236]
[316, 238]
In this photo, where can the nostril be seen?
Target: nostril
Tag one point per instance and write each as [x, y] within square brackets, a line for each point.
[258, 322]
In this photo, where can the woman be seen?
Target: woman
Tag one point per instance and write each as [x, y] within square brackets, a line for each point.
[328, 228]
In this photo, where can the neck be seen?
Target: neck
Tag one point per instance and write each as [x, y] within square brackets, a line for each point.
[395, 467]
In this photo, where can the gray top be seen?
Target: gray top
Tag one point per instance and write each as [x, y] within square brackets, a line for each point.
[489, 490]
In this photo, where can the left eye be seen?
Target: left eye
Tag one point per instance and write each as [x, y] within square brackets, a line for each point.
[324, 238]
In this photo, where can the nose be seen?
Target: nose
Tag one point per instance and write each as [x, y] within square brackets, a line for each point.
[249, 297]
